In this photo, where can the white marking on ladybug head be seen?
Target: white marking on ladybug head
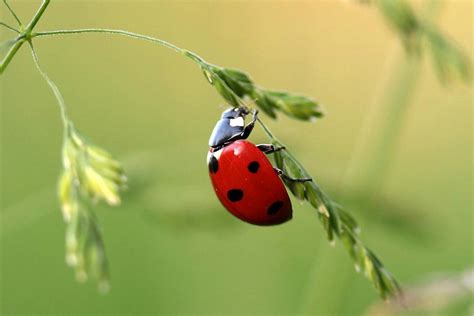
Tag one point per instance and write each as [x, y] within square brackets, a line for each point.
[239, 121]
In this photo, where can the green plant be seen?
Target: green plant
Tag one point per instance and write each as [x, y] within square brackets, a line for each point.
[418, 33]
[91, 174]
[420, 37]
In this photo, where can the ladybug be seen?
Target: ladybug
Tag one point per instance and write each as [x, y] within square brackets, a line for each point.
[244, 180]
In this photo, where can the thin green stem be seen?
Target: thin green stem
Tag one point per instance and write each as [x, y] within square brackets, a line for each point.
[266, 129]
[9, 27]
[372, 170]
[12, 12]
[6, 45]
[11, 53]
[25, 35]
[205, 66]
[166, 44]
[37, 16]
[54, 88]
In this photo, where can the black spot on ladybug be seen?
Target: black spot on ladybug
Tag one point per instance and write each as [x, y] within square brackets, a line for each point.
[253, 167]
[235, 195]
[274, 208]
[213, 164]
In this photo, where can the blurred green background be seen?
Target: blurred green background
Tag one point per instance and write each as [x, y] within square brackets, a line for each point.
[172, 247]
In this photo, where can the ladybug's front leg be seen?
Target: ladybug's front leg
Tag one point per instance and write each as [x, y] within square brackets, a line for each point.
[287, 177]
[269, 148]
[248, 129]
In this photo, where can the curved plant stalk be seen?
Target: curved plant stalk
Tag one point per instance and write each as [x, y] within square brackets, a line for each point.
[337, 223]
[232, 84]
[372, 152]
[24, 34]
[12, 12]
[11, 28]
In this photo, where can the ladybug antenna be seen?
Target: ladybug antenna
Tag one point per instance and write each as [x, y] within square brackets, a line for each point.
[245, 107]
[251, 102]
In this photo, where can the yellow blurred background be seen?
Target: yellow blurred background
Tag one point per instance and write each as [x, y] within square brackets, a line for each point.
[172, 247]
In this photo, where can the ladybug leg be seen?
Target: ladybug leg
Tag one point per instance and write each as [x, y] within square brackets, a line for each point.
[248, 129]
[287, 177]
[269, 148]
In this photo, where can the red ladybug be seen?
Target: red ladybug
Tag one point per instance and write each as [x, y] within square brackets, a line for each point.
[245, 181]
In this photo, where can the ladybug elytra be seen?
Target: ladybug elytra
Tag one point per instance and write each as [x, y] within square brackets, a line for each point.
[243, 178]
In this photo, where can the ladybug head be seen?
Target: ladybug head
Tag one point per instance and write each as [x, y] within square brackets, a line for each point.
[233, 113]
[229, 127]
